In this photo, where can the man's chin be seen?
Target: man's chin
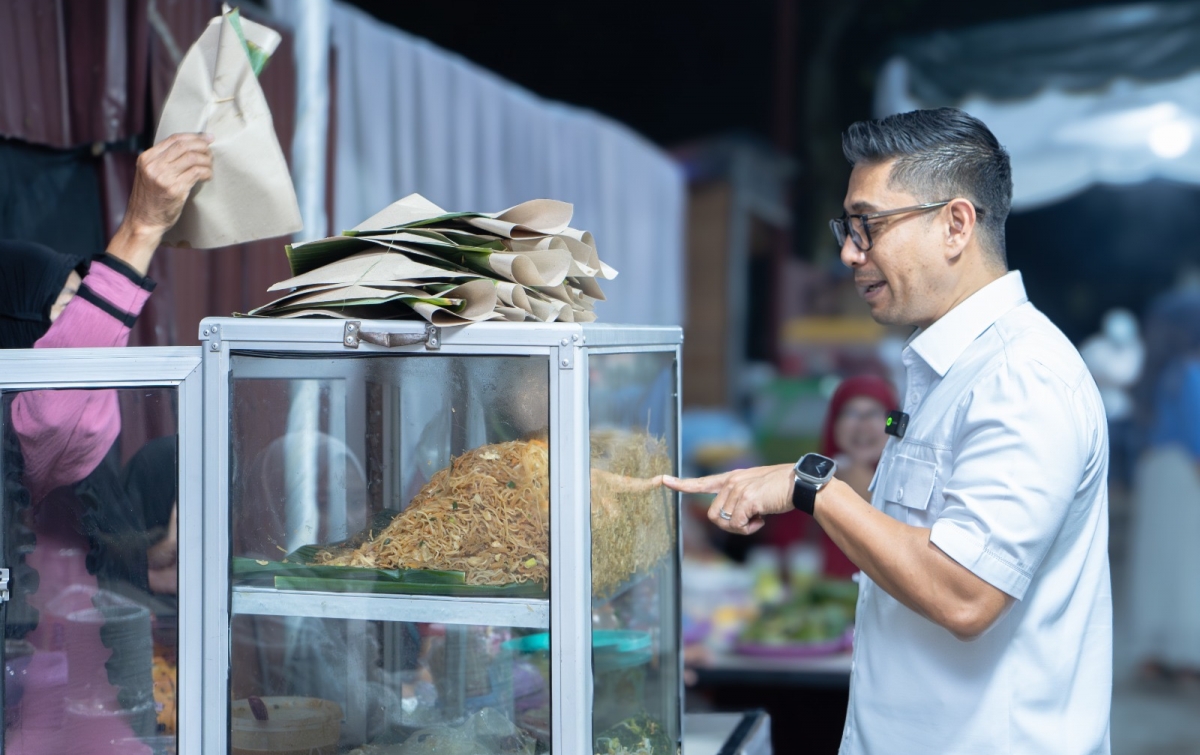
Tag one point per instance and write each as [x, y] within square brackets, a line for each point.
[882, 315]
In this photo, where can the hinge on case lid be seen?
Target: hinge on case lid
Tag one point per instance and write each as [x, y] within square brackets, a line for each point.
[3, 585]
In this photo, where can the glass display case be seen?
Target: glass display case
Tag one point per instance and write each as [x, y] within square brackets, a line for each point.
[99, 598]
[420, 540]
[343, 537]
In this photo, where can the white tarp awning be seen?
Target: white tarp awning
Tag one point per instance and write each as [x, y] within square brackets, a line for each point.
[1083, 113]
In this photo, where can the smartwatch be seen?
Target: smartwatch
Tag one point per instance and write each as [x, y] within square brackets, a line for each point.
[813, 471]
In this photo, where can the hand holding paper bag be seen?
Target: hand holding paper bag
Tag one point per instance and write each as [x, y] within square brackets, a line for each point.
[165, 176]
[216, 90]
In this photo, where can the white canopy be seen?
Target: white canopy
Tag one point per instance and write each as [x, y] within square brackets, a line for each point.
[1101, 108]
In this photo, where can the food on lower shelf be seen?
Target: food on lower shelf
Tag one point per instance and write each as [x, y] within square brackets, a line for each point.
[487, 515]
[164, 672]
[293, 726]
[822, 614]
[637, 735]
[633, 520]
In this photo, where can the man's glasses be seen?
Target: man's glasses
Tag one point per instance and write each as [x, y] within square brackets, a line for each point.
[858, 228]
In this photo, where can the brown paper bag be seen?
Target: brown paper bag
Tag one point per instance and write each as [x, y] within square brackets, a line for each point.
[216, 91]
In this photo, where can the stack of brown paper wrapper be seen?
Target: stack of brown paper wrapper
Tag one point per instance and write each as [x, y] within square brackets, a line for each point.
[415, 260]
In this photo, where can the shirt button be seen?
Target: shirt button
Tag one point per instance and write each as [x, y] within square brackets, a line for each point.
[900, 494]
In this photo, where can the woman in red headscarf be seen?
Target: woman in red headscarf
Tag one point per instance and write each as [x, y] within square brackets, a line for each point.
[853, 435]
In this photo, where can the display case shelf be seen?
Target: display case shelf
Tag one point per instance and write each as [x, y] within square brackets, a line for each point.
[512, 612]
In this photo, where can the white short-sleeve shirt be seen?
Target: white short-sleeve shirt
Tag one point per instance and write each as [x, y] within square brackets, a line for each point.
[1005, 460]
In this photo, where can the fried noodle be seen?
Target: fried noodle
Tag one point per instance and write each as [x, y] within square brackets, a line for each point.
[633, 520]
[487, 515]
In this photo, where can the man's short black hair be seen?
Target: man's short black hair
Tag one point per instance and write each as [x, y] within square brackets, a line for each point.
[941, 154]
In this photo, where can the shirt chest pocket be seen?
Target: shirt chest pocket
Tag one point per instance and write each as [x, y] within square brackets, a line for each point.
[910, 490]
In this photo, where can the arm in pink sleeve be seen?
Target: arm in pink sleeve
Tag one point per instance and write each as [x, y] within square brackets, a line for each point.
[64, 434]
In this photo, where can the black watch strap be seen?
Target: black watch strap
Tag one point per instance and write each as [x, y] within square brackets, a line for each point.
[804, 496]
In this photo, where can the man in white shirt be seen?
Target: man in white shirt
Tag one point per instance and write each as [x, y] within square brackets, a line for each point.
[984, 619]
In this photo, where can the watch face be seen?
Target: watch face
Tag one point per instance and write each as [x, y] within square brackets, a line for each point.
[815, 466]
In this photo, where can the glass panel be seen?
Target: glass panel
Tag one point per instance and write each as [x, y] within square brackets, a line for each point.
[635, 577]
[309, 686]
[392, 474]
[90, 632]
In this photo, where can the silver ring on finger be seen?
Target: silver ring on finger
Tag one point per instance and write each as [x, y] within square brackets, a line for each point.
[726, 515]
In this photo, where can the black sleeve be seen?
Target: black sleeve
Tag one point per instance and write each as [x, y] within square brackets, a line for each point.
[125, 269]
[105, 306]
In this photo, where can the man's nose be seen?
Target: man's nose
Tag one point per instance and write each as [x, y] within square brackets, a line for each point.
[851, 255]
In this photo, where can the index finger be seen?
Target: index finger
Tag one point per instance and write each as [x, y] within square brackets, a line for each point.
[176, 145]
[180, 136]
[710, 484]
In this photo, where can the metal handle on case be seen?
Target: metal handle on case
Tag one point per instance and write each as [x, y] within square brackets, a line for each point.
[354, 334]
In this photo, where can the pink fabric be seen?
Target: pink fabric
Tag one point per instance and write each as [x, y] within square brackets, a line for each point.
[65, 434]
[68, 705]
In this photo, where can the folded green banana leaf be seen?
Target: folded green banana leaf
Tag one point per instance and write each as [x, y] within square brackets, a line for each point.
[300, 562]
[310, 255]
[412, 258]
[251, 569]
[422, 576]
[517, 590]
[257, 570]
[367, 226]
[342, 298]
[439, 236]
[455, 237]
[258, 56]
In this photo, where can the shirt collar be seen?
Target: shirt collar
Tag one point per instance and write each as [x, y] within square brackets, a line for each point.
[945, 340]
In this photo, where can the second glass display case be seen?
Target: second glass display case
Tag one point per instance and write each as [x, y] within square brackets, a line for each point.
[452, 545]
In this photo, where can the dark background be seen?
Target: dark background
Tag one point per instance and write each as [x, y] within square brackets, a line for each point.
[680, 71]
[795, 74]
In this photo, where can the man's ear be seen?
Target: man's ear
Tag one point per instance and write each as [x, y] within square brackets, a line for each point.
[960, 226]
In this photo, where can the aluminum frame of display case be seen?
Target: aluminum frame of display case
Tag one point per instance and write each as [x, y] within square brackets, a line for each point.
[148, 367]
[568, 611]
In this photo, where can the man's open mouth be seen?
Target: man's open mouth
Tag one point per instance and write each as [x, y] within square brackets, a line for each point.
[871, 288]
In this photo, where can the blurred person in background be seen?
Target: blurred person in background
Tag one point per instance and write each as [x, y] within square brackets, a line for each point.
[984, 617]
[1164, 560]
[853, 434]
[1114, 356]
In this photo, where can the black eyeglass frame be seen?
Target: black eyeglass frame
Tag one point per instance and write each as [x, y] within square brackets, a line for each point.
[843, 229]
